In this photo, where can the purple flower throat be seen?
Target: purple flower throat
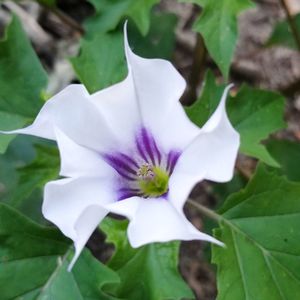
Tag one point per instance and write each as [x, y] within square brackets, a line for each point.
[146, 171]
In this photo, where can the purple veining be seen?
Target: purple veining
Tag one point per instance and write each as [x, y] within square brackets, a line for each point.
[172, 160]
[128, 165]
[125, 193]
[123, 166]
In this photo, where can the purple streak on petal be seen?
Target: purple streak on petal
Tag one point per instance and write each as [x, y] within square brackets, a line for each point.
[123, 166]
[157, 152]
[173, 156]
[147, 146]
[165, 195]
[140, 148]
[124, 193]
[130, 161]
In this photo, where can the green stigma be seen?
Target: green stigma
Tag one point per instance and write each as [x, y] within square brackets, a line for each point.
[153, 181]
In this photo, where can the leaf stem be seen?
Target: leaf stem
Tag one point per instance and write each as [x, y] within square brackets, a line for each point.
[206, 211]
[291, 22]
[197, 72]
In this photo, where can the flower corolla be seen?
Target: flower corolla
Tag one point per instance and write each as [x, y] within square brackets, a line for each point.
[130, 149]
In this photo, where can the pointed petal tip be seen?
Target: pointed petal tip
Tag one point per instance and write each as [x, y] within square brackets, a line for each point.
[226, 91]
[73, 261]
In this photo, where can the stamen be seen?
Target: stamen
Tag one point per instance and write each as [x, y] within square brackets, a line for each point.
[153, 181]
[145, 172]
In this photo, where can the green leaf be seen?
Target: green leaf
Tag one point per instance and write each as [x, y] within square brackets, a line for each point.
[160, 40]
[27, 197]
[33, 262]
[287, 153]
[156, 265]
[254, 113]
[22, 80]
[19, 153]
[282, 34]
[218, 26]
[200, 111]
[101, 61]
[109, 14]
[260, 227]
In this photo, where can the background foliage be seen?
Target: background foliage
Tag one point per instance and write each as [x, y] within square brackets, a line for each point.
[256, 214]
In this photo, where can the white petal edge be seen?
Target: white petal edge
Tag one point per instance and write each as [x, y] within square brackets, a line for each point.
[156, 220]
[72, 111]
[211, 155]
[78, 161]
[76, 207]
[158, 88]
[85, 226]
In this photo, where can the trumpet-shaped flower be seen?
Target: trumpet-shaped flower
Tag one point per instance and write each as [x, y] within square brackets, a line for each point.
[130, 149]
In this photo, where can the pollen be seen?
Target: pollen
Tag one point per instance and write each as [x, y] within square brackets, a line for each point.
[153, 180]
[145, 172]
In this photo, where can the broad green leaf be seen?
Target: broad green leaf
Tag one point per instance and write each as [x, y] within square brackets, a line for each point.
[33, 262]
[22, 80]
[149, 272]
[200, 111]
[109, 13]
[254, 113]
[27, 196]
[218, 26]
[224, 190]
[282, 34]
[19, 153]
[260, 227]
[24, 169]
[101, 61]
[287, 153]
[160, 40]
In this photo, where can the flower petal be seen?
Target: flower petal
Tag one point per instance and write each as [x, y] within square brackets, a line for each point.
[158, 87]
[156, 220]
[210, 156]
[77, 161]
[72, 112]
[76, 206]
[119, 106]
[86, 224]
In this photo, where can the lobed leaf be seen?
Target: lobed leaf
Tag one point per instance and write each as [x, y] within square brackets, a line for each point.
[22, 79]
[34, 260]
[259, 226]
[101, 61]
[218, 26]
[110, 13]
[149, 272]
[254, 113]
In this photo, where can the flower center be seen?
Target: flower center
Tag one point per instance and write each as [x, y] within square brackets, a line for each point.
[153, 181]
[145, 172]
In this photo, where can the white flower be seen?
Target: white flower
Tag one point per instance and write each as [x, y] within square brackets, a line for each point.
[130, 149]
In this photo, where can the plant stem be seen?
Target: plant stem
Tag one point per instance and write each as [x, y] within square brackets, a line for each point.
[197, 72]
[66, 19]
[291, 22]
[206, 211]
